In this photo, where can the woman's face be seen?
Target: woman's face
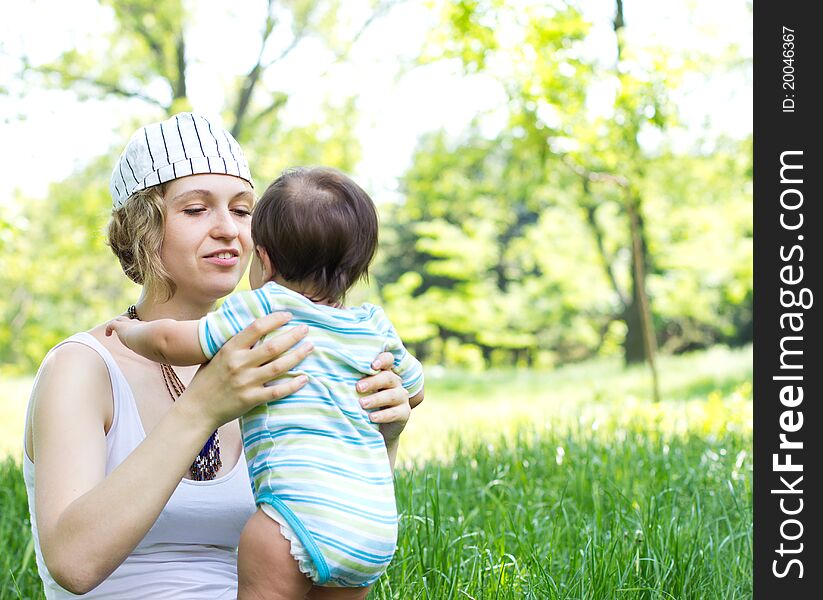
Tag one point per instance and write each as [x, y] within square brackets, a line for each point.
[207, 240]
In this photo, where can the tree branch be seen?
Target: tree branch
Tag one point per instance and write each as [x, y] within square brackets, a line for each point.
[105, 86]
[380, 10]
[253, 76]
[180, 77]
[596, 176]
[278, 103]
[608, 260]
[134, 14]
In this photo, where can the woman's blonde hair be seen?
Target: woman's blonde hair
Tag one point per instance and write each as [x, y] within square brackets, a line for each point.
[135, 235]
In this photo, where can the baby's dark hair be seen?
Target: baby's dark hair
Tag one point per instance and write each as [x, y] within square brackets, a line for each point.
[319, 228]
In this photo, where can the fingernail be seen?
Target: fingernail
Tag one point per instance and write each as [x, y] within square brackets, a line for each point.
[364, 404]
[309, 346]
[360, 387]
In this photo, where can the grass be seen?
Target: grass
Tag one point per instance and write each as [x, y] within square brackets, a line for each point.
[14, 395]
[562, 485]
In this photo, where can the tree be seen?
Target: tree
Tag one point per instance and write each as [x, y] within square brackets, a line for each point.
[147, 59]
[478, 222]
[61, 277]
[548, 87]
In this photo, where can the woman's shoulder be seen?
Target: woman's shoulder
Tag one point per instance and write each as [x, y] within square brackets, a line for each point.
[72, 376]
[73, 364]
[77, 351]
[80, 362]
[73, 352]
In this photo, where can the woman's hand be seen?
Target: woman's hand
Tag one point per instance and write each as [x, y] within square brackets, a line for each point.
[387, 398]
[234, 381]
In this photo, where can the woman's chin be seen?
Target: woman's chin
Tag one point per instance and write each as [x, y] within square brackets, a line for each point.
[222, 286]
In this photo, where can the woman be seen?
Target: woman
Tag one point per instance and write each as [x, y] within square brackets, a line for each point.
[113, 440]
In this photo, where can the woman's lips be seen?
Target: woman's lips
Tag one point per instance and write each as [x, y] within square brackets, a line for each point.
[223, 262]
[223, 258]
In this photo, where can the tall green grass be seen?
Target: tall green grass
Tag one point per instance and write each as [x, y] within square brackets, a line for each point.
[602, 517]
[563, 485]
[18, 572]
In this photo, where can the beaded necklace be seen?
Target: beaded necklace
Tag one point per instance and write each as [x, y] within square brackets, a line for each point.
[207, 462]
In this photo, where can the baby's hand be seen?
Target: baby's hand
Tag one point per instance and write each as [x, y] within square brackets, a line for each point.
[118, 325]
[134, 335]
[137, 336]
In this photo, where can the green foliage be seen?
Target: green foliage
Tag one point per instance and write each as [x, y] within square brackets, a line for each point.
[550, 516]
[523, 244]
[502, 256]
[18, 570]
[508, 249]
[61, 278]
[480, 231]
[703, 283]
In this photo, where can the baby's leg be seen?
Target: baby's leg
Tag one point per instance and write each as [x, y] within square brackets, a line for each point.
[329, 593]
[266, 569]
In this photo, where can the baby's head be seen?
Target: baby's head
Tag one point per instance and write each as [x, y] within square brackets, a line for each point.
[315, 231]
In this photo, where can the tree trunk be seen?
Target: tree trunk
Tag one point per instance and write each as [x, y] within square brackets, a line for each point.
[635, 345]
[634, 350]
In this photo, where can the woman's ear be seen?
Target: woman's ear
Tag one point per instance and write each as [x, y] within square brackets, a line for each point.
[265, 263]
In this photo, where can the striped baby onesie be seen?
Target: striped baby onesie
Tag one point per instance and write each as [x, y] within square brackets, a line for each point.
[318, 466]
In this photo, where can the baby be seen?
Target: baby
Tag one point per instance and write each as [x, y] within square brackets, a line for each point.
[322, 481]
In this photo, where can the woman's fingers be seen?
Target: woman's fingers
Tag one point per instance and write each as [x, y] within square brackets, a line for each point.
[286, 388]
[381, 381]
[278, 345]
[385, 399]
[383, 362]
[259, 328]
[393, 414]
[284, 362]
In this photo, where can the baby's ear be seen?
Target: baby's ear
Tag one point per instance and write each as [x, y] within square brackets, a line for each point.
[265, 262]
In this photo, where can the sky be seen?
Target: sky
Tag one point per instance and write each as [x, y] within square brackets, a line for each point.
[45, 135]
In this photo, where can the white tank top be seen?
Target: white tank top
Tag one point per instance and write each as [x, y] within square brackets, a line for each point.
[191, 550]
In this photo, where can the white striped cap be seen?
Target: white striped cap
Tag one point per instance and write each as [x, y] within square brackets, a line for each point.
[185, 144]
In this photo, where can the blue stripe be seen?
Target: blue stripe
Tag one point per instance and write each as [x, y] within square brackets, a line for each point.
[285, 431]
[368, 464]
[324, 373]
[263, 300]
[312, 322]
[320, 402]
[341, 507]
[296, 464]
[278, 437]
[232, 318]
[355, 553]
[210, 339]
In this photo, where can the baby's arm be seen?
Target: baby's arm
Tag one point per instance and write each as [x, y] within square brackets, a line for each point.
[164, 340]
[405, 365]
[416, 399]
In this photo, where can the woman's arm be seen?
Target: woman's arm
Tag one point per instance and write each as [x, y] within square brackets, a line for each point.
[89, 522]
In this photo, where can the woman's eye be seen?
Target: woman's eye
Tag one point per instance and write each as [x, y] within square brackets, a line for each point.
[242, 212]
[193, 211]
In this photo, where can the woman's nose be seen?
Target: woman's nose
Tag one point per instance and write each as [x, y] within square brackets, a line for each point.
[224, 225]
